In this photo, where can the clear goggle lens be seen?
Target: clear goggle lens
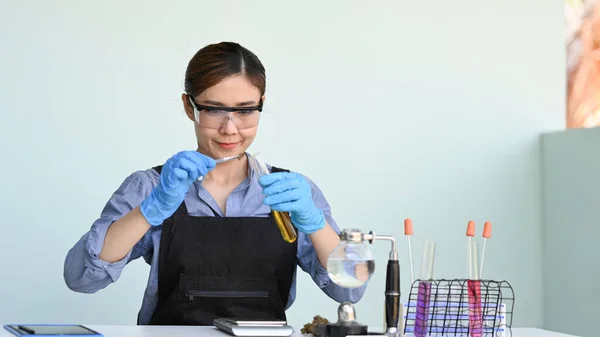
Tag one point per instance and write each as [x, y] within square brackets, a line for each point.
[213, 117]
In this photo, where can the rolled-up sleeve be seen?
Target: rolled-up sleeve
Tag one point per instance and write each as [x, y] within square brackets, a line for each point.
[84, 271]
[309, 262]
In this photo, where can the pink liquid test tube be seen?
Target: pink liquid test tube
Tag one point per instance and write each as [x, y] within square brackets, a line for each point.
[474, 293]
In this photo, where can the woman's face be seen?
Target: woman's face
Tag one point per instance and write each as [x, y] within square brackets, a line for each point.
[227, 140]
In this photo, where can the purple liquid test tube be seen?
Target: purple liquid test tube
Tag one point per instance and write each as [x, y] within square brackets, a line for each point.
[422, 315]
[424, 294]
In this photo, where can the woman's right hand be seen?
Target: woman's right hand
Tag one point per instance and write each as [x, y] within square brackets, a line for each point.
[177, 176]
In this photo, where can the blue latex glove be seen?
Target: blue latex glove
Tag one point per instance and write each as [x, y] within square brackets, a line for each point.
[290, 192]
[176, 177]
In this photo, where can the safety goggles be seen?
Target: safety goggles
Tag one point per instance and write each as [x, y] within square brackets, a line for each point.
[215, 117]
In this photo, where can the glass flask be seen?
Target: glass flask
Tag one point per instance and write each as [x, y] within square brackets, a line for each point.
[351, 264]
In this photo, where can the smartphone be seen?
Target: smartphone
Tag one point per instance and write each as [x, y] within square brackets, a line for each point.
[71, 330]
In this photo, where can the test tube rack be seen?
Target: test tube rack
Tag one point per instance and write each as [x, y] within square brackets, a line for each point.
[454, 306]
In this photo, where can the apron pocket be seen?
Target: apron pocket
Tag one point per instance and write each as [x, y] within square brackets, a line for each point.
[193, 294]
[204, 298]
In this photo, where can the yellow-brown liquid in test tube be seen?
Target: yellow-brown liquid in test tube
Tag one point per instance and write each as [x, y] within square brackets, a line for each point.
[283, 220]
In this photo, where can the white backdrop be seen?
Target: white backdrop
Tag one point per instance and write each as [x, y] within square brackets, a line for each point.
[428, 110]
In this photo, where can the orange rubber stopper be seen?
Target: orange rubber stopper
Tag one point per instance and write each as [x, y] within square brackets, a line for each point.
[487, 230]
[408, 227]
[471, 228]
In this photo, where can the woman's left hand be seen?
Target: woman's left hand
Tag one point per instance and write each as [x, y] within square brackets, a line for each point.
[290, 192]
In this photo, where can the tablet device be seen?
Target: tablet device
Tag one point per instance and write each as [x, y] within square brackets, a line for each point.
[251, 322]
[253, 328]
[47, 330]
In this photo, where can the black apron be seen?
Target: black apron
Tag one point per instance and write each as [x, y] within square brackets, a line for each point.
[212, 266]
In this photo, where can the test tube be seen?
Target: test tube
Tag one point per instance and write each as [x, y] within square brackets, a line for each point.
[283, 220]
[427, 262]
[474, 260]
[424, 294]
[474, 291]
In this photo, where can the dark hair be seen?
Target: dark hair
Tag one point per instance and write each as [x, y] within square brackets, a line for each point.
[215, 62]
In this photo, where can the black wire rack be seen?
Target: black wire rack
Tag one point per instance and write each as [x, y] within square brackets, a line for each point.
[459, 307]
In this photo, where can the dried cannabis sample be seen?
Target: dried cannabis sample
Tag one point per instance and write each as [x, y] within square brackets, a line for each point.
[309, 328]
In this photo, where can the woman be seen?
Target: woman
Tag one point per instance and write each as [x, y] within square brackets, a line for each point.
[205, 228]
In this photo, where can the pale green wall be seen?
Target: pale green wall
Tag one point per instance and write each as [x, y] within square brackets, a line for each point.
[423, 109]
[571, 168]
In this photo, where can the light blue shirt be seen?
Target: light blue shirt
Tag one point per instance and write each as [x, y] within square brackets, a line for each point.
[85, 272]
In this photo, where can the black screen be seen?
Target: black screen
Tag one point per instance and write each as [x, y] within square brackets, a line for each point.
[55, 329]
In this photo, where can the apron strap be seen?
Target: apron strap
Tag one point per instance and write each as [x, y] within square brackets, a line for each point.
[277, 169]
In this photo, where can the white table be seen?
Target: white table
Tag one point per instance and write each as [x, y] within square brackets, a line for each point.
[207, 331]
